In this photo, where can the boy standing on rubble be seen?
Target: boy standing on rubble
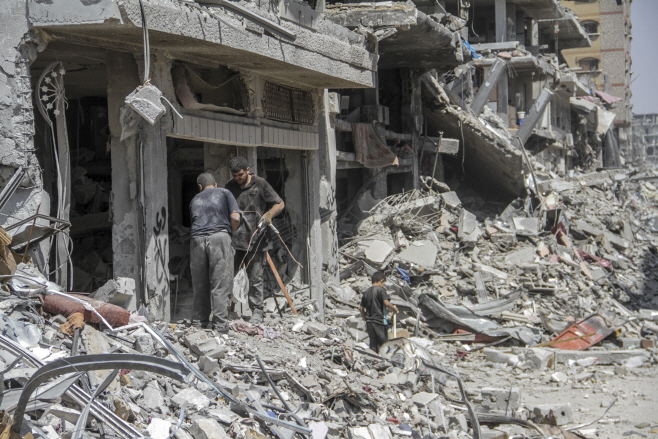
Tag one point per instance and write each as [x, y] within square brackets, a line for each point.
[374, 302]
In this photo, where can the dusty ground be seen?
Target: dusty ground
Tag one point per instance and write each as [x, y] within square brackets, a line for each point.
[634, 415]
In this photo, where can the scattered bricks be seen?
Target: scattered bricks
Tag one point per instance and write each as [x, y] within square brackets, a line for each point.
[191, 396]
[201, 343]
[554, 414]
[144, 344]
[647, 343]
[206, 428]
[232, 388]
[501, 399]
[542, 249]
[451, 199]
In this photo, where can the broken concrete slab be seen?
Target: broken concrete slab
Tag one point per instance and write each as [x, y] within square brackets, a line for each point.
[451, 199]
[378, 251]
[605, 357]
[207, 429]
[584, 227]
[422, 253]
[423, 398]
[192, 397]
[158, 428]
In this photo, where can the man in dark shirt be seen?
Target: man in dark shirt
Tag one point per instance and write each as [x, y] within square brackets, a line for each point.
[373, 303]
[258, 202]
[215, 216]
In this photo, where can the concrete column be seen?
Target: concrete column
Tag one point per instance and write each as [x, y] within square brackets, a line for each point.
[534, 33]
[327, 157]
[17, 114]
[123, 78]
[501, 20]
[503, 97]
[156, 212]
[311, 163]
[412, 115]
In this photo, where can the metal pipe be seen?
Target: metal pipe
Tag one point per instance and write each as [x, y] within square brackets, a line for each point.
[278, 393]
[85, 363]
[78, 395]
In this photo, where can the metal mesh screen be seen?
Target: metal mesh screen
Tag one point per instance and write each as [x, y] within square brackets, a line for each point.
[288, 104]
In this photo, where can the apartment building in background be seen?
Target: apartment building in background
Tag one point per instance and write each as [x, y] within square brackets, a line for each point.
[606, 65]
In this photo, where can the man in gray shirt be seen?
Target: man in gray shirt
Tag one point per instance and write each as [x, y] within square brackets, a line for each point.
[215, 216]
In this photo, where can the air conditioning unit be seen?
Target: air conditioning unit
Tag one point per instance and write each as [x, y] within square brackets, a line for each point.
[568, 139]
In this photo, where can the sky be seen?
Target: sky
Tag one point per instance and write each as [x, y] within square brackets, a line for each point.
[644, 50]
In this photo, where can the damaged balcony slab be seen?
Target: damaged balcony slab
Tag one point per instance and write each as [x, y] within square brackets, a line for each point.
[488, 157]
[407, 37]
[328, 56]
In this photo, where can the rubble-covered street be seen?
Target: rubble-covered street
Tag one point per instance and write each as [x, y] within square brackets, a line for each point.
[212, 211]
[538, 320]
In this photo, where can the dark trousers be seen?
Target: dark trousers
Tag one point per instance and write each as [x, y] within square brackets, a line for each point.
[211, 264]
[378, 335]
[254, 263]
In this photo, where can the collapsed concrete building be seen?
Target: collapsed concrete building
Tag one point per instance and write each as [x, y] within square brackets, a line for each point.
[111, 109]
[227, 79]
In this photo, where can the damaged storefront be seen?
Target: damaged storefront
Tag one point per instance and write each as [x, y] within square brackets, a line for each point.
[133, 101]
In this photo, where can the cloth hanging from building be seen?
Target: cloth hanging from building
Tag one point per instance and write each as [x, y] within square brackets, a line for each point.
[371, 151]
[607, 98]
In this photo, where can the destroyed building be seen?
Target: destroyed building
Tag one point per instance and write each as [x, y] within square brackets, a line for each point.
[605, 66]
[449, 144]
[645, 135]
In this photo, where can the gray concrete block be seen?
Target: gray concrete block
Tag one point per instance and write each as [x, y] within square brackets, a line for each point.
[451, 199]
[501, 399]
[119, 291]
[201, 343]
[559, 414]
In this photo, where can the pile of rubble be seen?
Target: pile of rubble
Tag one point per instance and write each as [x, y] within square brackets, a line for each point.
[550, 291]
